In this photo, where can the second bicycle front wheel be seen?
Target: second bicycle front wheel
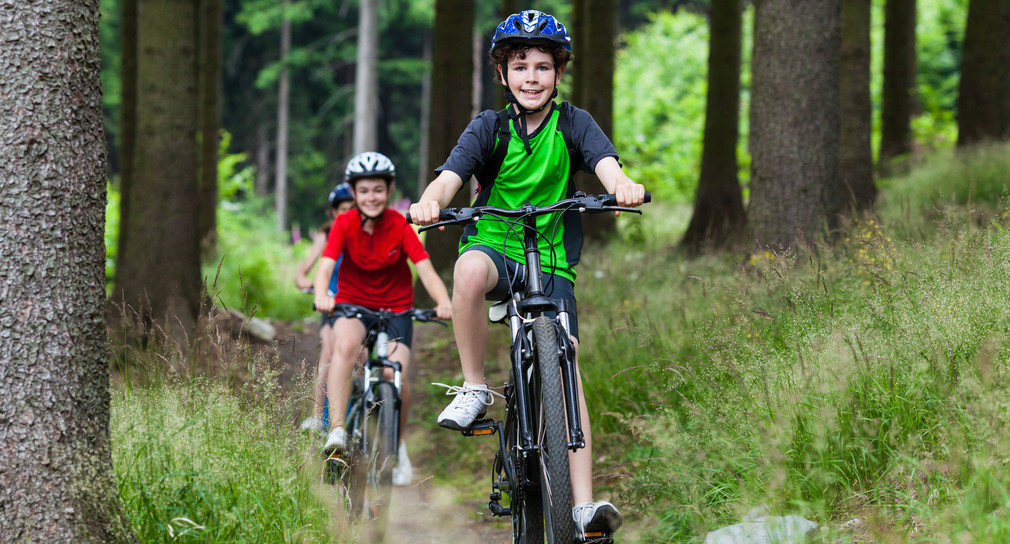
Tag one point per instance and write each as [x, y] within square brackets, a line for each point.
[380, 453]
[555, 475]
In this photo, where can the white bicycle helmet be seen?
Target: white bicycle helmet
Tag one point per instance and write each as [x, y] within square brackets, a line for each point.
[370, 164]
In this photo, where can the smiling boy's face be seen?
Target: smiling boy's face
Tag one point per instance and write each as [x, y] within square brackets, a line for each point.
[532, 78]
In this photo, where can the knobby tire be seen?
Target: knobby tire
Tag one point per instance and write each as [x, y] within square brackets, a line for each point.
[524, 498]
[380, 454]
[554, 471]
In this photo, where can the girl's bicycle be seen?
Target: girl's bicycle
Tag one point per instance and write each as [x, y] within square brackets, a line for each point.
[362, 471]
[541, 408]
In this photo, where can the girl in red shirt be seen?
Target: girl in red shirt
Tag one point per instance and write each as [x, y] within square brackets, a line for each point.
[375, 243]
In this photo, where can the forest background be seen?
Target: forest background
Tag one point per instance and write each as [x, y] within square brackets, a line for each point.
[852, 369]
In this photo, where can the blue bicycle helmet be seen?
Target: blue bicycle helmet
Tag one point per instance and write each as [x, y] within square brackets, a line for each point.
[341, 193]
[532, 25]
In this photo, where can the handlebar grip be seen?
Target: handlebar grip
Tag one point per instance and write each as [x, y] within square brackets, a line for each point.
[444, 214]
[648, 196]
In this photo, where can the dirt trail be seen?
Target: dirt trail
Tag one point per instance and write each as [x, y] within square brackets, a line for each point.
[426, 511]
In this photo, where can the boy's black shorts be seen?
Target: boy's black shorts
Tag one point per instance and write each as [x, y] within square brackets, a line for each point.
[554, 286]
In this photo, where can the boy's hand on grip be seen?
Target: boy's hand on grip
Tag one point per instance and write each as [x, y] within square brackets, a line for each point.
[630, 194]
[424, 213]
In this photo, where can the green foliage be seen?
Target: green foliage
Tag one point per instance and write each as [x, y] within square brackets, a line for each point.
[198, 463]
[111, 232]
[256, 270]
[862, 378]
[659, 103]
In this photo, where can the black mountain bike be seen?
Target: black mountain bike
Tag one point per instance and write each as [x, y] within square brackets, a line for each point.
[541, 401]
[363, 471]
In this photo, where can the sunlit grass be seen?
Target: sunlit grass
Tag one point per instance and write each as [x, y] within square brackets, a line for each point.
[864, 378]
[196, 462]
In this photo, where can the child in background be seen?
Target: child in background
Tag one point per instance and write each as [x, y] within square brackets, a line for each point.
[375, 243]
[341, 200]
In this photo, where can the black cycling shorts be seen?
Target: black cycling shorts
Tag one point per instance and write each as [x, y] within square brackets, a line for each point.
[514, 273]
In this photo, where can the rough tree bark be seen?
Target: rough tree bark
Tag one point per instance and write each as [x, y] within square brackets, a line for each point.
[855, 152]
[898, 99]
[983, 104]
[452, 66]
[159, 275]
[719, 217]
[595, 26]
[128, 111]
[794, 121]
[56, 461]
[210, 94]
[366, 80]
[283, 92]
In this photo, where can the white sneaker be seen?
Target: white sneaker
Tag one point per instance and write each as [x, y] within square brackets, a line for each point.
[312, 424]
[594, 518]
[403, 472]
[471, 402]
[334, 441]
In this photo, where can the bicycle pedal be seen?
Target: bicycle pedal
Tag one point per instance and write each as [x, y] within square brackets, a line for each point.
[481, 427]
[596, 538]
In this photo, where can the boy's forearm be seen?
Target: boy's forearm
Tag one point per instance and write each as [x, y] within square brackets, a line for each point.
[442, 188]
[610, 173]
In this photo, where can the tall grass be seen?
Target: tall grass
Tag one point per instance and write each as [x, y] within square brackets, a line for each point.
[205, 448]
[863, 378]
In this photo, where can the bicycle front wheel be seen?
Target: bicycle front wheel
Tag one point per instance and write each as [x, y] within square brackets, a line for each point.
[552, 429]
[380, 452]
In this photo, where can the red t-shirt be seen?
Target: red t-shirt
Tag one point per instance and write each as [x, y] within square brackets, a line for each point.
[374, 272]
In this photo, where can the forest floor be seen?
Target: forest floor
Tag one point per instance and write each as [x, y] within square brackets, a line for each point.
[429, 510]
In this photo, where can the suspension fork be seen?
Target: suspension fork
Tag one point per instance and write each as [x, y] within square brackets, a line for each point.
[535, 288]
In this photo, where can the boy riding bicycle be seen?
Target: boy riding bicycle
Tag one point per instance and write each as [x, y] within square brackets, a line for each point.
[528, 154]
[375, 243]
[341, 200]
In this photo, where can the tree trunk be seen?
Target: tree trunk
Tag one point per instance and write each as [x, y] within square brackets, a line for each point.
[594, 66]
[898, 99]
[719, 217]
[983, 102]
[160, 273]
[281, 176]
[508, 7]
[452, 66]
[56, 465]
[794, 120]
[127, 113]
[366, 111]
[855, 152]
[210, 91]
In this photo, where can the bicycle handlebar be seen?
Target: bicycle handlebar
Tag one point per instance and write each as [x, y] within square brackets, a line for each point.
[417, 314]
[581, 202]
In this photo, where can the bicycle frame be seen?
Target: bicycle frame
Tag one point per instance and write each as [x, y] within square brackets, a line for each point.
[533, 386]
[372, 371]
[520, 312]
